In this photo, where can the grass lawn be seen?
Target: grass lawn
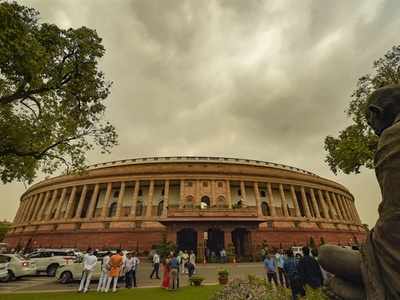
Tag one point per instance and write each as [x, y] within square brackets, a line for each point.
[195, 293]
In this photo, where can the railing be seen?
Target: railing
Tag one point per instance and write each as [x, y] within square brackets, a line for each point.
[199, 159]
[188, 212]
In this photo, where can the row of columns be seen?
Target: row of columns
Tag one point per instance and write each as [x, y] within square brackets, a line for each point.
[39, 207]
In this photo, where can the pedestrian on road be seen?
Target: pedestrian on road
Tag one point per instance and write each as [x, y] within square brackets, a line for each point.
[104, 272]
[89, 263]
[309, 270]
[293, 276]
[136, 262]
[166, 273]
[115, 265]
[270, 269]
[156, 266]
[280, 260]
[192, 260]
[174, 273]
[128, 270]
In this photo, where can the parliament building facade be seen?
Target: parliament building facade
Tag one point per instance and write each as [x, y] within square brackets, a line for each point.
[194, 202]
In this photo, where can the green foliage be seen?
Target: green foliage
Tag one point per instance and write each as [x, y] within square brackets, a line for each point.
[165, 248]
[314, 294]
[4, 226]
[196, 280]
[51, 95]
[356, 144]
[223, 273]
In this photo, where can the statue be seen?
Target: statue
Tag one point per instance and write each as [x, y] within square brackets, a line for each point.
[374, 273]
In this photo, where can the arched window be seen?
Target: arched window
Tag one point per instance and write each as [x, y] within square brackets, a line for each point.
[221, 201]
[205, 200]
[160, 208]
[263, 194]
[139, 208]
[189, 201]
[112, 211]
[265, 208]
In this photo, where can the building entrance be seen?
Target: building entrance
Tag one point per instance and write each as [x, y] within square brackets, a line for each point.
[186, 239]
[215, 241]
[241, 241]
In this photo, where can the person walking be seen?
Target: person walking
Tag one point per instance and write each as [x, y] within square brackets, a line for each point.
[174, 273]
[270, 269]
[185, 259]
[156, 266]
[292, 275]
[128, 270]
[166, 273]
[89, 263]
[104, 272]
[309, 270]
[280, 260]
[136, 262]
[314, 253]
[192, 260]
[115, 265]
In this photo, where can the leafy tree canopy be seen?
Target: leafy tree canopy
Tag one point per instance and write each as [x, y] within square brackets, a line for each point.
[356, 145]
[51, 95]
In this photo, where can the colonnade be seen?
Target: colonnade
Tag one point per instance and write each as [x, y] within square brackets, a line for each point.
[48, 205]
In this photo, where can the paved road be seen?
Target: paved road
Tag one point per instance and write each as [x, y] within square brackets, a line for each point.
[209, 271]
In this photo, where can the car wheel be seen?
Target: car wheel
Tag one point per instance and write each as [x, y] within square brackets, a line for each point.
[51, 270]
[11, 276]
[66, 277]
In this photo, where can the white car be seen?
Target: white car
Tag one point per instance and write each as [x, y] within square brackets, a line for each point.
[48, 260]
[72, 272]
[18, 266]
[4, 269]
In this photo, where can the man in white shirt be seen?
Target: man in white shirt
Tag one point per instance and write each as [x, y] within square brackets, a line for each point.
[89, 263]
[185, 259]
[136, 262]
[104, 273]
[156, 266]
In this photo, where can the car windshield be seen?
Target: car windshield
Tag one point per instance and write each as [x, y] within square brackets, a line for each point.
[21, 257]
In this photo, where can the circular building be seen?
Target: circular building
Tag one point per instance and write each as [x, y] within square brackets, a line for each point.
[198, 203]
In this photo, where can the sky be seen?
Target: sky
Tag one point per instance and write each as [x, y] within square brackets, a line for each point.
[265, 80]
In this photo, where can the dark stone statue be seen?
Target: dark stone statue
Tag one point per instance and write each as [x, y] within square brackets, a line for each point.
[374, 272]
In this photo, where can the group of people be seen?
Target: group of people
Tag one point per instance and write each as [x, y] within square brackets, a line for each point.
[113, 266]
[173, 265]
[284, 269]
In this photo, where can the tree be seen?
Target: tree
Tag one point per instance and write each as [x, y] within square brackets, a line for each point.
[51, 95]
[356, 145]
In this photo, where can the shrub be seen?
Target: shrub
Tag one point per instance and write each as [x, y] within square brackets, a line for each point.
[196, 280]
[223, 272]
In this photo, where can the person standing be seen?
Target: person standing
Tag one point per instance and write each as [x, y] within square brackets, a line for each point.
[192, 260]
[270, 269]
[104, 272]
[136, 262]
[174, 273]
[115, 265]
[185, 259]
[309, 270]
[223, 255]
[166, 273]
[128, 270]
[156, 266]
[292, 275]
[89, 263]
[280, 260]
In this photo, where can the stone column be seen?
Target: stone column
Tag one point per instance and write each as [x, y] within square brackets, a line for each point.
[120, 199]
[227, 238]
[353, 206]
[23, 210]
[166, 198]
[150, 199]
[344, 208]
[181, 199]
[228, 193]
[135, 198]
[315, 204]
[295, 204]
[213, 201]
[43, 207]
[19, 211]
[35, 207]
[323, 204]
[330, 205]
[60, 204]
[196, 194]
[29, 207]
[271, 200]
[258, 202]
[305, 202]
[68, 210]
[283, 201]
[336, 204]
[39, 206]
[93, 202]
[81, 202]
[243, 192]
[52, 204]
[106, 201]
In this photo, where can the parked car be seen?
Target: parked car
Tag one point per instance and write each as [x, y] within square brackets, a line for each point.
[4, 269]
[18, 266]
[48, 260]
[73, 271]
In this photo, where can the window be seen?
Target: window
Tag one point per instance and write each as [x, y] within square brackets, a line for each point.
[221, 201]
[115, 194]
[112, 211]
[140, 193]
[189, 184]
[162, 192]
[139, 208]
[263, 194]
[205, 200]
[220, 184]
[205, 184]
[239, 192]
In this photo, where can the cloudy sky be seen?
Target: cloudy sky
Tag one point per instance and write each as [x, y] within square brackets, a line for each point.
[264, 80]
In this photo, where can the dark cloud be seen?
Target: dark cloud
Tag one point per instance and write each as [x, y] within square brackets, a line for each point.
[259, 79]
